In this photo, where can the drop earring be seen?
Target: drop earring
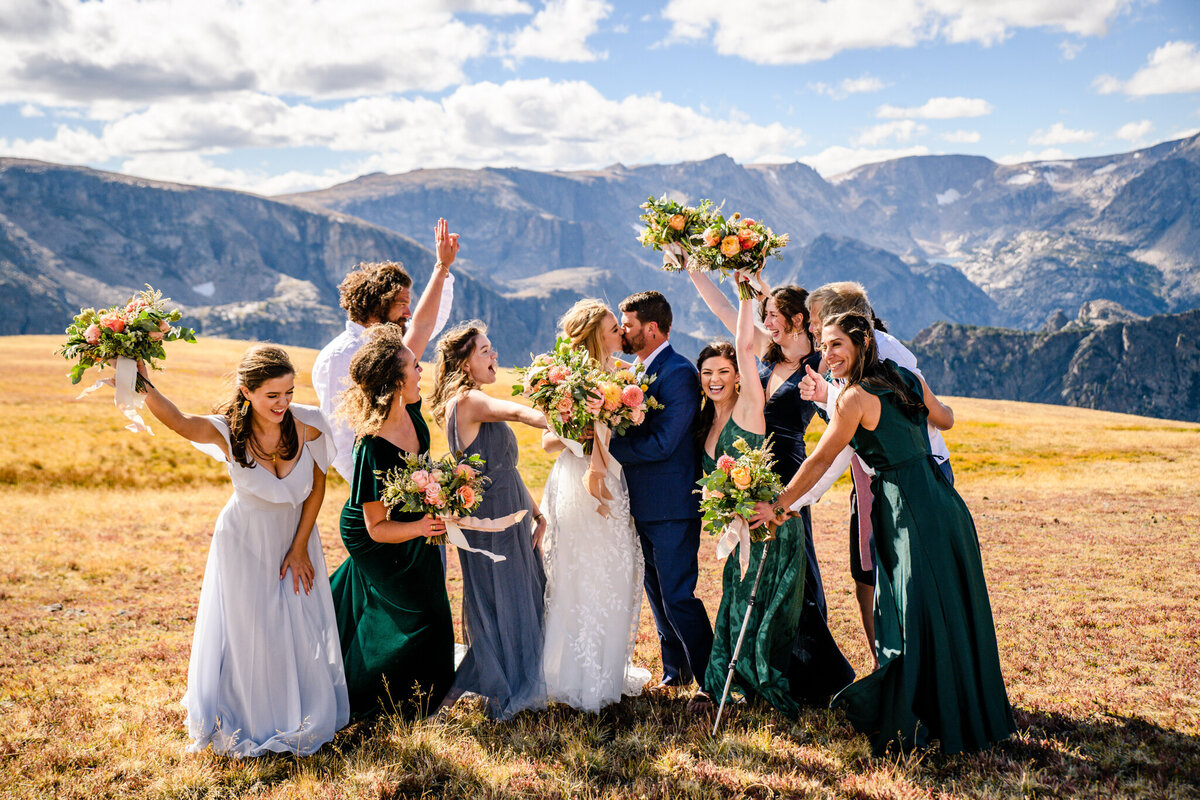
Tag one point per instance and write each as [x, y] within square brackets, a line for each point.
[244, 407]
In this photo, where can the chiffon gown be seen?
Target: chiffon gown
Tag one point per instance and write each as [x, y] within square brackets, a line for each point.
[594, 574]
[392, 610]
[762, 667]
[502, 601]
[939, 669]
[265, 672]
[818, 669]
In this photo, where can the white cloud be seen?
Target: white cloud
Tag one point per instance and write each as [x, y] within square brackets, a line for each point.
[849, 86]
[538, 124]
[1049, 154]
[900, 130]
[1070, 49]
[1060, 134]
[30, 110]
[559, 32]
[803, 31]
[1173, 68]
[195, 169]
[71, 53]
[939, 108]
[962, 136]
[838, 159]
[1135, 131]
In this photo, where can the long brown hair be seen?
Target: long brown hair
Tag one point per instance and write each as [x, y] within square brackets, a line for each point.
[708, 411]
[581, 324]
[790, 301]
[259, 364]
[450, 377]
[868, 370]
[377, 372]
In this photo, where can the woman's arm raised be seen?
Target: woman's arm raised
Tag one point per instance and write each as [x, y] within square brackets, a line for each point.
[193, 427]
[719, 304]
[424, 319]
[748, 412]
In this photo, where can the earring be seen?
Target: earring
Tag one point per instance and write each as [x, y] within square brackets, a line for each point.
[795, 335]
[244, 407]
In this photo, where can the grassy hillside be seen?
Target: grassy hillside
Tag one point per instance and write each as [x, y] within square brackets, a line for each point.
[1089, 524]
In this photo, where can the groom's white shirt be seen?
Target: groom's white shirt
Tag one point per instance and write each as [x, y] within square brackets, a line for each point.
[654, 355]
[889, 347]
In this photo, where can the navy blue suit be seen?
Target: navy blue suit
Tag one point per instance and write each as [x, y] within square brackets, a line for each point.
[662, 466]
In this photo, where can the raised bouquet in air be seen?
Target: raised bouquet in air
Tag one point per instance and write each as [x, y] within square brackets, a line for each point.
[673, 228]
[738, 244]
[451, 486]
[136, 331]
[728, 495]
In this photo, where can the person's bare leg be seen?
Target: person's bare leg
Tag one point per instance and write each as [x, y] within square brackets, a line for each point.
[866, 607]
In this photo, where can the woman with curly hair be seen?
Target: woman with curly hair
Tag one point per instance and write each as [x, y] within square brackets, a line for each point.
[393, 613]
[265, 674]
[502, 601]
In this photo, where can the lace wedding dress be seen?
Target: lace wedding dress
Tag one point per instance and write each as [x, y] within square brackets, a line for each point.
[593, 590]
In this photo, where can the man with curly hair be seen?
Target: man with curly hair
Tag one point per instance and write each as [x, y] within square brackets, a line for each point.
[374, 293]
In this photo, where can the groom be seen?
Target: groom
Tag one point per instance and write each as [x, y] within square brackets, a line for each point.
[660, 463]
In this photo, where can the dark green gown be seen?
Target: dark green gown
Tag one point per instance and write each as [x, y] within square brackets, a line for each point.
[762, 668]
[393, 614]
[939, 669]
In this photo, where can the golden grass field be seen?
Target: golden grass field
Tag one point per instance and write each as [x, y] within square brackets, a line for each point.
[1089, 523]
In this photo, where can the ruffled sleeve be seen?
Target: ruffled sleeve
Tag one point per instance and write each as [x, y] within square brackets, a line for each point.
[322, 448]
[214, 450]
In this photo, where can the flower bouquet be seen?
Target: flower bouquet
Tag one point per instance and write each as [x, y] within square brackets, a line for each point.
[673, 228]
[735, 245]
[564, 384]
[448, 488]
[623, 401]
[728, 495]
[123, 336]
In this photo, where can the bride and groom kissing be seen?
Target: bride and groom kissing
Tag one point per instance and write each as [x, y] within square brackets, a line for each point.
[660, 466]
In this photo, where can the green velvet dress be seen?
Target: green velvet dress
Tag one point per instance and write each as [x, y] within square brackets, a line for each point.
[939, 669]
[762, 666]
[393, 614]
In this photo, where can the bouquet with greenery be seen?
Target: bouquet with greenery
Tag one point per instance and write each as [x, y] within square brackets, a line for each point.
[564, 384]
[728, 495]
[736, 245]
[451, 486]
[136, 331]
[673, 228]
[623, 401]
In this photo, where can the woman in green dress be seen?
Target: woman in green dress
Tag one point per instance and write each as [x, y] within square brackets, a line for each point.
[939, 668]
[393, 614]
[734, 410]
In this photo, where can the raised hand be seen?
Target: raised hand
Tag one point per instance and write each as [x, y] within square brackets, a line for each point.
[813, 387]
[446, 242]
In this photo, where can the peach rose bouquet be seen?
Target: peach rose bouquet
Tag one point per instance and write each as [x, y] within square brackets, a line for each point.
[451, 486]
[729, 492]
[739, 244]
[673, 228]
[564, 384]
[623, 399]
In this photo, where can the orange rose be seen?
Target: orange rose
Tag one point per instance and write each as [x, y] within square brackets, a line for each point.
[740, 477]
[712, 237]
[466, 495]
[730, 246]
[747, 238]
[677, 221]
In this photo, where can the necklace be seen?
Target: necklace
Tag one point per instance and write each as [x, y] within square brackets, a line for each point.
[259, 450]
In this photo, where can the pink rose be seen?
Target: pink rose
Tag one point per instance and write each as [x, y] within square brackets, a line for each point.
[712, 237]
[466, 496]
[156, 336]
[730, 246]
[437, 476]
[465, 471]
[433, 494]
[747, 222]
[92, 334]
[421, 479]
[632, 396]
[593, 404]
[114, 322]
[726, 462]
[748, 238]
[637, 416]
[558, 373]
[164, 326]
[566, 405]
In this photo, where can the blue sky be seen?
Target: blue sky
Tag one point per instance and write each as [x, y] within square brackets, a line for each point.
[275, 95]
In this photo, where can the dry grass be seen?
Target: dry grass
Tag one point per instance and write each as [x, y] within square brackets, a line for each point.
[1089, 524]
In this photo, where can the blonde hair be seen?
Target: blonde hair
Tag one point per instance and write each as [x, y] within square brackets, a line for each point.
[844, 297]
[581, 324]
[450, 378]
[377, 371]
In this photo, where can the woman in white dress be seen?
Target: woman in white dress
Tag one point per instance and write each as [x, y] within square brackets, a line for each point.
[593, 564]
[266, 666]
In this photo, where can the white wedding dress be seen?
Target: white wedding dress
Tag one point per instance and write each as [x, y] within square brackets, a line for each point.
[593, 590]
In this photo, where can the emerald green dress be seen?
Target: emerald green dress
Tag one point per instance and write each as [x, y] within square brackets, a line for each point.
[393, 614]
[762, 667]
[939, 669]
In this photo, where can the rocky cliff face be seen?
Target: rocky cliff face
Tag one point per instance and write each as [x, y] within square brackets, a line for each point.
[1141, 366]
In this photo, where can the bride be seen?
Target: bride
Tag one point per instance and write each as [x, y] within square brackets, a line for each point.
[593, 564]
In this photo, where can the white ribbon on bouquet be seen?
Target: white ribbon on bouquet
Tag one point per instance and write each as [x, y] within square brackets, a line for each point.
[454, 534]
[735, 533]
[127, 400]
[674, 255]
[595, 477]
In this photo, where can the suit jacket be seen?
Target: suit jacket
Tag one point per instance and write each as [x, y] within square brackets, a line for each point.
[660, 456]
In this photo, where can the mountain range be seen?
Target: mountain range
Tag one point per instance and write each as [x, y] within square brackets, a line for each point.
[959, 240]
